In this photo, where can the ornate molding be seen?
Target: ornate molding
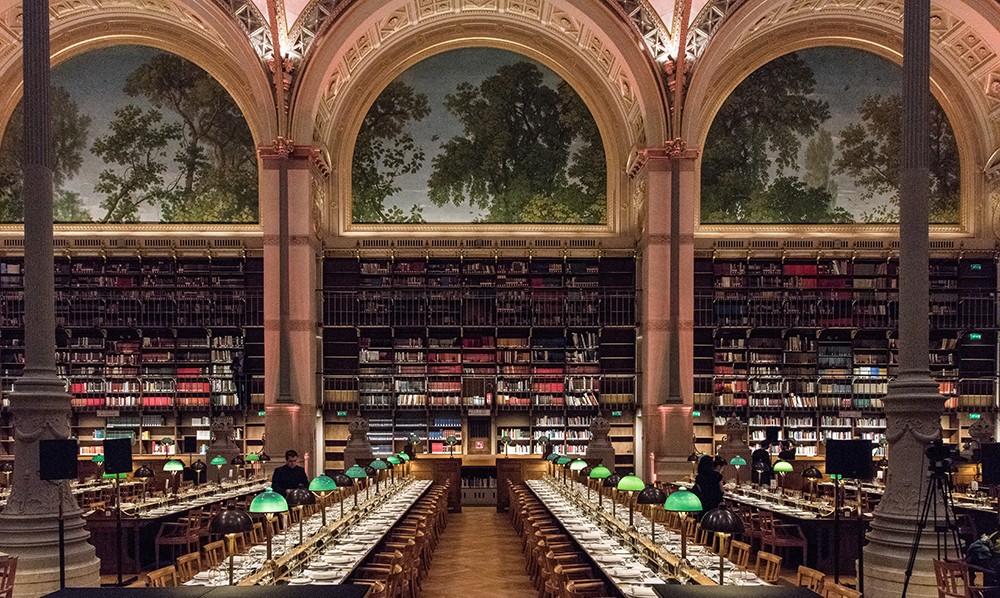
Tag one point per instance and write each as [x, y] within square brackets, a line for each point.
[248, 16]
[293, 325]
[275, 240]
[647, 22]
[708, 21]
[672, 149]
[657, 324]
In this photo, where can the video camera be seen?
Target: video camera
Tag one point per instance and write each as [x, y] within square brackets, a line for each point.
[941, 457]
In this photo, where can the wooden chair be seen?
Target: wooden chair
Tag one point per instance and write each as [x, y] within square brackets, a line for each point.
[586, 589]
[183, 533]
[838, 591]
[953, 581]
[187, 565]
[8, 567]
[739, 554]
[775, 536]
[768, 566]
[215, 553]
[165, 577]
[811, 579]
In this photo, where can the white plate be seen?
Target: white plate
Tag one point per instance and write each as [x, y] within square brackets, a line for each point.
[337, 559]
[626, 573]
[609, 558]
[352, 547]
[300, 581]
[591, 536]
[324, 575]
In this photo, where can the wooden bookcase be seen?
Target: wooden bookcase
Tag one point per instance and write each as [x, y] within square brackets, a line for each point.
[807, 345]
[420, 344]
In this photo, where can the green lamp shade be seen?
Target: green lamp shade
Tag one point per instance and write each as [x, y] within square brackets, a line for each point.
[322, 483]
[563, 460]
[379, 464]
[451, 440]
[552, 457]
[682, 501]
[738, 461]
[783, 467]
[268, 501]
[577, 465]
[111, 476]
[599, 473]
[543, 439]
[394, 459]
[173, 465]
[631, 483]
[253, 457]
[404, 456]
[836, 476]
[356, 472]
[505, 439]
[218, 461]
[98, 458]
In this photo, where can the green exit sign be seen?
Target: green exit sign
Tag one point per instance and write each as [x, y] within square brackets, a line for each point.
[975, 266]
[975, 336]
[696, 414]
[974, 416]
[261, 413]
[616, 414]
[341, 414]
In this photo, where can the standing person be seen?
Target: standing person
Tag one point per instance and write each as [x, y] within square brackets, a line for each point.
[708, 484]
[289, 475]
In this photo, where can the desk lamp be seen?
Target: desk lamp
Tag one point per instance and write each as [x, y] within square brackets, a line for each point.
[254, 460]
[724, 523]
[7, 468]
[781, 468]
[268, 502]
[812, 474]
[612, 482]
[173, 466]
[371, 472]
[759, 467]
[585, 478]
[345, 482]
[693, 460]
[577, 466]
[394, 462]
[737, 462]
[218, 461]
[599, 472]
[505, 440]
[451, 441]
[198, 467]
[143, 474]
[229, 523]
[683, 502]
[99, 459]
[238, 462]
[563, 462]
[297, 499]
[883, 465]
[543, 441]
[552, 458]
[323, 485]
[631, 484]
[379, 466]
[414, 439]
[651, 496]
[356, 472]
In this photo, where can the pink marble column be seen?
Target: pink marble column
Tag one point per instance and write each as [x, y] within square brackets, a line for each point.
[291, 393]
[667, 277]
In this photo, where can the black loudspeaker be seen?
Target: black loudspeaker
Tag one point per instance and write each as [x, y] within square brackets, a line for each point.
[57, 459]
[190, 445]
[118, 455]
[771, 435]
[990, 456]
[850, 458]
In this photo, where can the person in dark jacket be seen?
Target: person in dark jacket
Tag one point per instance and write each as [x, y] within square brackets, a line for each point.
[708, 484]
[289, 475]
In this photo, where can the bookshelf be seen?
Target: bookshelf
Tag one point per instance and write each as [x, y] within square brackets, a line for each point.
[805, 346]
[146, 345]
[427, 344]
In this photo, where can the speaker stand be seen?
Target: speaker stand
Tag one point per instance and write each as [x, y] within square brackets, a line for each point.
[118, 537]
[836, 530]
[62, 539]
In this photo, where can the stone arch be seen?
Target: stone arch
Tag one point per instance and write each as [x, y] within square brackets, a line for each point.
[199, 33]
[591, 47]
[755, 35]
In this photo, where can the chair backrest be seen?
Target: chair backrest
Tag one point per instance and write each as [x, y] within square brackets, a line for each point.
[768, 566]
[810, 578]
[165, 577]
[952, 579]
[836, 590]
[739, 553]
[215, 553]
[188, 565]
[585, 589]
[8, 567]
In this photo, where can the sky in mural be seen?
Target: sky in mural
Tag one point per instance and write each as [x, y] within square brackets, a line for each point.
[479, 135]
[133, 143]
[814, 137]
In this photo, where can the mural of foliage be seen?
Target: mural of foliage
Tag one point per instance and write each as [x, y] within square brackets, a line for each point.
[184, 151]
[527, 151]
[771, 156]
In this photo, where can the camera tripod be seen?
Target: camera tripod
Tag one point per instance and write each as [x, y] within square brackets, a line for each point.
[938, 486]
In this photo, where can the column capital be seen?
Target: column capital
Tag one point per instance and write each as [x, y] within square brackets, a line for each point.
[659, 157]
[283, 147]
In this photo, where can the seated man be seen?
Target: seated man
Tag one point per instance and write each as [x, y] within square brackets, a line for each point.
[289, 475]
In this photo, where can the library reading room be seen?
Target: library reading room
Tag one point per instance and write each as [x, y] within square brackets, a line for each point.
[499, 298]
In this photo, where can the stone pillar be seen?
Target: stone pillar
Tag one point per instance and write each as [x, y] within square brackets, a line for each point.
[913, 405]
[599, 449]
[358, 449]
[667, 276]
[40, 405]
[291, 394]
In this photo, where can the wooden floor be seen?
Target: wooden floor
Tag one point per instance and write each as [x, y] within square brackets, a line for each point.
[479, 555]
